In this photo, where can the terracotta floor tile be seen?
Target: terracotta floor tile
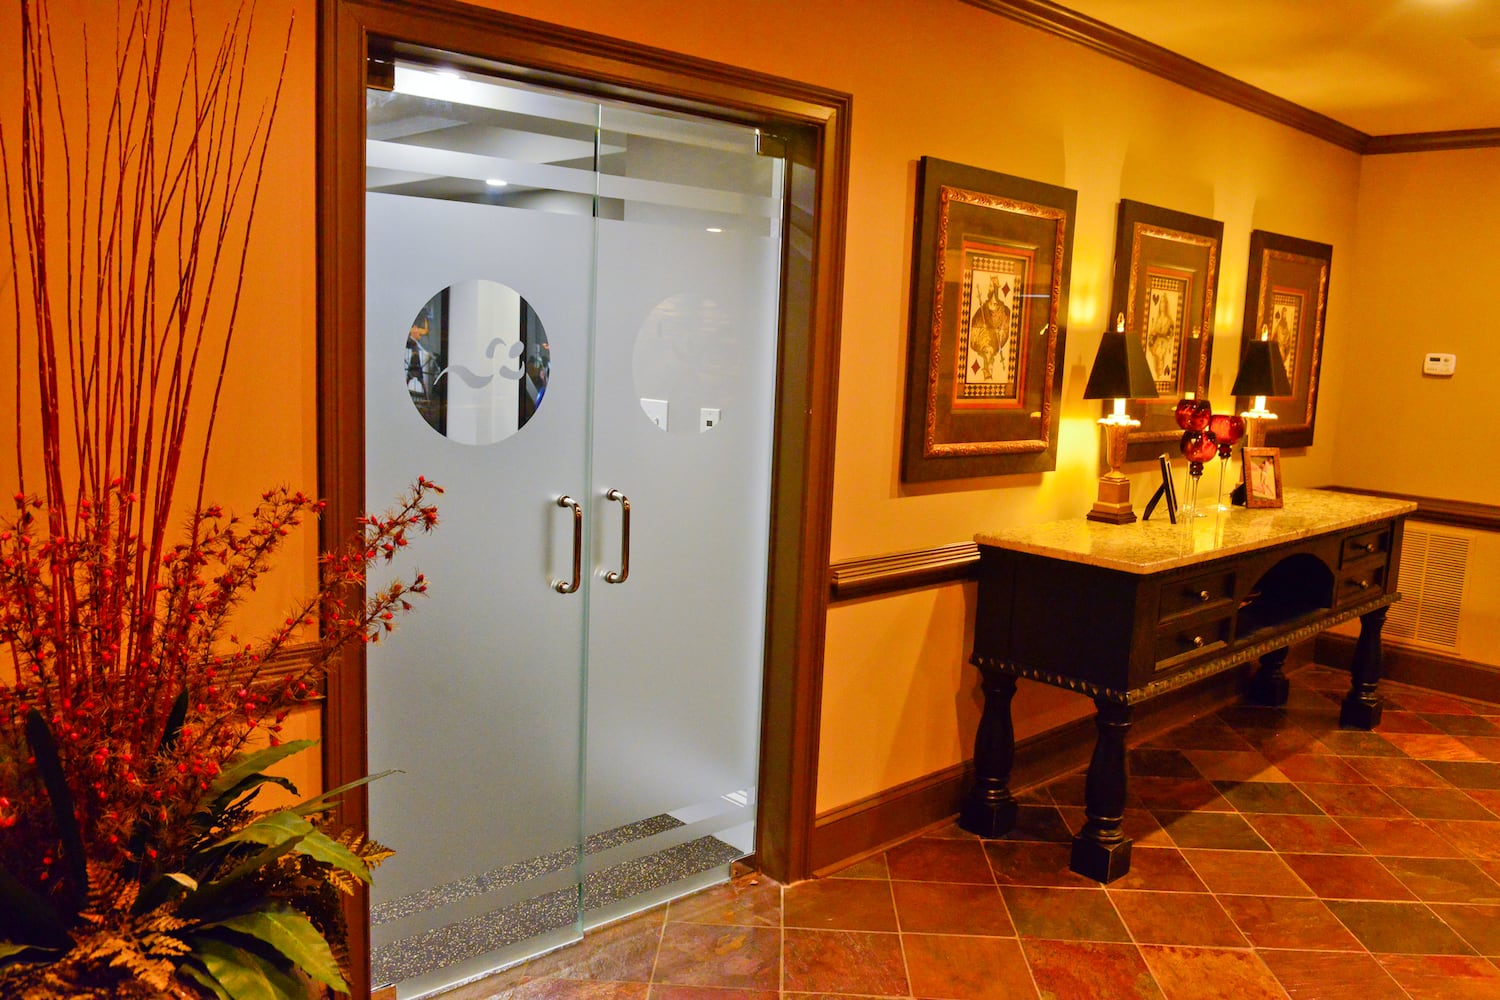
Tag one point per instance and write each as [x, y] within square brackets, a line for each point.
[1440, 803]
[873, 867]
[1234, 765]
[1398, 928]
[576, 989]
[1444, 880]
[951, 908]
[1347, 876]
[1282, 922]
[1322, 975]
[1179, 794]
[1068, 791]
[1252, 717]
[1267, 797]
[1040, 823]
[1433, 746]
[1176, 918]
[1404, 722]
[1067, 914]
[1444, 977]
[1163, 869]
[1479, 925]
[664, 991]
[1031, 863]
[622, 952]
[1468, 774]
[840, 904]
[930, 859]
[1211, 830]
[746, 958]
[1462, 725]
[1487, 747]
[1416, 700]
[1210, 974]
[951, 965]
[1140, 825]
[861, 962]
[1352, 800]
[1397, 771]
[1285, 742]
[1304, 834]
[1477, 841]
[1246, 873]
[1090, 970]
[1160, 763]
[743, 902]
[1489, 798]
[1205, 734]
[1359, 743]
[1320, 767]
[1410, 838]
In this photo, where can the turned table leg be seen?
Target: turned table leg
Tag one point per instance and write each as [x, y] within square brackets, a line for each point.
[1361, 708]
[1101, 850]
[990, 810]
[1269, 685]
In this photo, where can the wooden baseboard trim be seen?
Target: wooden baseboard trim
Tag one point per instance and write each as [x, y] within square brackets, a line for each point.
[1436, 510]
[862, 828]
[1419, 667]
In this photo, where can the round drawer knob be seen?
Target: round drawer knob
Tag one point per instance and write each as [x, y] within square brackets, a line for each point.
[1364, 585]
[1203, 595]
[1197, 641]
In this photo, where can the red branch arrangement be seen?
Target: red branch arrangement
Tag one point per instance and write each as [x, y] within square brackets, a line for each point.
[136, 205]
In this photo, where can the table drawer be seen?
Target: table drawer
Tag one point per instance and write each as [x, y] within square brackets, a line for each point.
[1175, 641]
[1194, 593]
[1364, 545]
[1363, 582]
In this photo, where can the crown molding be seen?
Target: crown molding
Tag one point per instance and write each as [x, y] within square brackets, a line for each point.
[1152, 58]
[1431, 142]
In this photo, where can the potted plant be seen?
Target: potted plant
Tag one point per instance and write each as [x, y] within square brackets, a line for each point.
[137, 729]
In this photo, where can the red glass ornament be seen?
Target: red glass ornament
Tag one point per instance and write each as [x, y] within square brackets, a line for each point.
[1199, 446]
[1193, 414]
[1227, 427]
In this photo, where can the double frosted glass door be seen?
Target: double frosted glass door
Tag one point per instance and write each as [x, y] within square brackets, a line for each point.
[571, 326]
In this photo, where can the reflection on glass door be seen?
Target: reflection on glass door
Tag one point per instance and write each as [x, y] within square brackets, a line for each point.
[571, 325]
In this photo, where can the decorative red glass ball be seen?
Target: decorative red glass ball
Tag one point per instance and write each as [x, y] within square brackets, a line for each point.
[1193, 414]
[1199, 446]
[1227, 427]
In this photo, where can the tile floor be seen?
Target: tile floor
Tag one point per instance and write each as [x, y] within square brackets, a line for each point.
[1275, 856]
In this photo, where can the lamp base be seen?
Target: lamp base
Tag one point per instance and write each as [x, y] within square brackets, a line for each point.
[1113, 505]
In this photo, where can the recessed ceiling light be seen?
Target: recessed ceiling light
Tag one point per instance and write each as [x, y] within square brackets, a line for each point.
[495, 182]
[451, 74]
[715, 229]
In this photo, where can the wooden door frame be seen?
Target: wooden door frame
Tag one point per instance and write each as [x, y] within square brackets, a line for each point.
[815, 123]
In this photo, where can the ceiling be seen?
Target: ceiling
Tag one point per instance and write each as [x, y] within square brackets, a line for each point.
[1380, 66]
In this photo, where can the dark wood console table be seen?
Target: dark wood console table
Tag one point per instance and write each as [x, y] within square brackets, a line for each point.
[1123, 613]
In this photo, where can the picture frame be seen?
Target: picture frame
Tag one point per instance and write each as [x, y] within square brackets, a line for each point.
[1166, 281]
[1262, 468]
[1286, 293]
[991, 256]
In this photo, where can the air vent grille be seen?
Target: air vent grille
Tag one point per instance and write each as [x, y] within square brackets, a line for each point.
[1433, 567]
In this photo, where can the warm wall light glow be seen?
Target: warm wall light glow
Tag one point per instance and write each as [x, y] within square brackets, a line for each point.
[715, 229]
[494, 182]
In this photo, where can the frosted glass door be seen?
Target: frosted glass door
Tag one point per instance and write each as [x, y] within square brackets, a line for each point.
[685, 352]
[477, 696]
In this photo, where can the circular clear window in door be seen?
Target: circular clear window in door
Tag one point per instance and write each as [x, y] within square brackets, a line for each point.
[476, 362]
[687, 363]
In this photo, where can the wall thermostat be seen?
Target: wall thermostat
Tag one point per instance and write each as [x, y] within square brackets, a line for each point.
[1438, 364]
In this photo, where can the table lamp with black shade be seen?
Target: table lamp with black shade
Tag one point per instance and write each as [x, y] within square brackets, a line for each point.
[1262, 374]
[1120, 372]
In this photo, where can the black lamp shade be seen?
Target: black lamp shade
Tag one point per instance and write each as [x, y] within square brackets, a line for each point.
[1120, 370]
[1262, 371]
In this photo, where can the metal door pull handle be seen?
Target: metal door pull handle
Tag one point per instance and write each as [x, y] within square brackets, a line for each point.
[624, 573]
[563, 586]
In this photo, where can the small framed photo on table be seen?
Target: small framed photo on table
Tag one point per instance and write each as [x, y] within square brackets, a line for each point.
[1262, 476]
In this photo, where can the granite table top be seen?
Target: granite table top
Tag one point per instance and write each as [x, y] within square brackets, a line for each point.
[1157, 545]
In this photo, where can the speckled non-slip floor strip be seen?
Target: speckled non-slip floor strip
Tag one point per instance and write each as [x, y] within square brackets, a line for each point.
[434, 949]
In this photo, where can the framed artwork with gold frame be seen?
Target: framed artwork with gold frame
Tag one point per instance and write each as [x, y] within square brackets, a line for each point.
[989, 306]
[1287, 295]
[1166, 281]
